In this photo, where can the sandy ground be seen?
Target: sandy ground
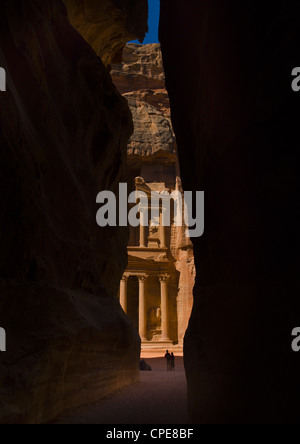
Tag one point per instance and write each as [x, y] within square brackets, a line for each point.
[158, 398]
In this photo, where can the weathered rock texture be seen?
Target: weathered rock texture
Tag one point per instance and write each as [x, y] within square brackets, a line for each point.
[152, 155]
[64, 129]
[141, 79]
[107, 25]
[141, 70]
[236, 122]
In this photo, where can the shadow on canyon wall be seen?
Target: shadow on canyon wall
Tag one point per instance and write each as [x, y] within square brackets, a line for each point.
[64, 130]
[228, 73]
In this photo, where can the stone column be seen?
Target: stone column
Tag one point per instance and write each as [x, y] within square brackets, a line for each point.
[162, 232]
[164, 307]
[142, 308]
[123, 293]
[142, 230]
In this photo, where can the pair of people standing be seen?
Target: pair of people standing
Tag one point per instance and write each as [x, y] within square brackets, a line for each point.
[170, 361]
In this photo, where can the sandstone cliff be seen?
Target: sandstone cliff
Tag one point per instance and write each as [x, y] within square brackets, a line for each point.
[107, 25]
[64, 129]
[236, 124]
[140, 78]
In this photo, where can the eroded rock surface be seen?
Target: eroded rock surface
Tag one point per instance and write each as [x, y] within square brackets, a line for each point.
[64, 130]
[141, 79]
[141, 69]
[108, 24]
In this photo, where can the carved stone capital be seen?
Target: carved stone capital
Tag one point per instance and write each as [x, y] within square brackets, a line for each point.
[142, 278]
[164, 278]
[124, 278]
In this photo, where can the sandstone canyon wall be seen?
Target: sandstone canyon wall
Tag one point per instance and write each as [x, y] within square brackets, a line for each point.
[64, 130]
[141, 79]
[108, 25]
[228, 73]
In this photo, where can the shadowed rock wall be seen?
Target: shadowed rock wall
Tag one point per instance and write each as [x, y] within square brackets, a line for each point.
[64, 130]
[228, 73]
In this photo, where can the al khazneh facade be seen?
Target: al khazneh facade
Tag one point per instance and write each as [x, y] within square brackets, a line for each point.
[156, 290]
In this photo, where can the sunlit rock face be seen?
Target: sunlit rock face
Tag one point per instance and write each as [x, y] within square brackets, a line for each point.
[108, 24]
[141, 79]
[141, 70]
[152, 156]
[64, 133]
[228, 73]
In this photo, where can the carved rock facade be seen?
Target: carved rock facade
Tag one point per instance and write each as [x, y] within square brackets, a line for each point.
[162, 257]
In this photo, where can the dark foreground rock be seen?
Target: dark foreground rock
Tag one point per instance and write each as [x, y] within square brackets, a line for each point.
[64, 130]
[144, 367]
[228, 73]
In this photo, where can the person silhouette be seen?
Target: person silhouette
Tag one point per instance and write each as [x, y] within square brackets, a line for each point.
[168, 358]
[172, 362]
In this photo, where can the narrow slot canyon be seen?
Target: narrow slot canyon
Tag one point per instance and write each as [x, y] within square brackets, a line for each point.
[85, 309]
[156, 289]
